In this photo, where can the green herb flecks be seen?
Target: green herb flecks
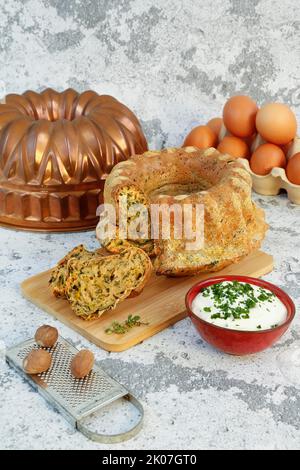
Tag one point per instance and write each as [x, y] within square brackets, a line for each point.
[225, 298]
[122, 328]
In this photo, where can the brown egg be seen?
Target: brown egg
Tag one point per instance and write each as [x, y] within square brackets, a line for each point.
[293, 169]
[249, 140]
[239, 115]
[202, 137]
[215, 125]
[234, 146]
[266, 157]
[276, 123]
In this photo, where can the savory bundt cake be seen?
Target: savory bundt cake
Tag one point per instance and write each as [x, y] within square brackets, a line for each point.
[56, 150]
[60, 273]
[99, 284]
[233, 224]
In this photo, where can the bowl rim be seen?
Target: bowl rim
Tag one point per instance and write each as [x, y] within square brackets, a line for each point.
[280, 293]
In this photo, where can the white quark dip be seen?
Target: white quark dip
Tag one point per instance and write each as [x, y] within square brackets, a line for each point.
[239, 306]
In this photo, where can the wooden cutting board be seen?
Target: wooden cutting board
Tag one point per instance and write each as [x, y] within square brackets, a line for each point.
[161, 304]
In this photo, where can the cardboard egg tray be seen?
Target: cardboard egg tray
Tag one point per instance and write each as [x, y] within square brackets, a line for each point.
[271, 184]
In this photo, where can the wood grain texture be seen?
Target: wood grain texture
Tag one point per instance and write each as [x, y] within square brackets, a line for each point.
[160, 305]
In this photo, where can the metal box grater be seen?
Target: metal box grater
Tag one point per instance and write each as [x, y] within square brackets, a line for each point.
[74, 398]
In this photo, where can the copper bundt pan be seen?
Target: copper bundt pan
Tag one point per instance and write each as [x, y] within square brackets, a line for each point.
[56, 150]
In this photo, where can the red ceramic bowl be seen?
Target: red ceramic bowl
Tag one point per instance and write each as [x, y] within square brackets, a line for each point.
[238, 342]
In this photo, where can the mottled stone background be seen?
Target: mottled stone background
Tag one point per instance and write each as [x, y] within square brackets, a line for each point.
[173, 61]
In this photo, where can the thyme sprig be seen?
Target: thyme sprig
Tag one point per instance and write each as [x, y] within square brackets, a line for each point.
[122, 328]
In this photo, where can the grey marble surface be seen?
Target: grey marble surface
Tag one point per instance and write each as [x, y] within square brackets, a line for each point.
[174, 62]
[194, 396]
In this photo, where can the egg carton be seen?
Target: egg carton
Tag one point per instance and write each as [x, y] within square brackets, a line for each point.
[271, 184]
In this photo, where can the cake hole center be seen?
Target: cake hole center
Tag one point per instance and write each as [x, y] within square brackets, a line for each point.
[180, 189]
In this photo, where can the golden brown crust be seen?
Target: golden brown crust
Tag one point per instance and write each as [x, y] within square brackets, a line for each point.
[234, 225]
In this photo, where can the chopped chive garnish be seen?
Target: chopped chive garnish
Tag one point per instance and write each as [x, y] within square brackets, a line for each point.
[226, 295]
[207, 309]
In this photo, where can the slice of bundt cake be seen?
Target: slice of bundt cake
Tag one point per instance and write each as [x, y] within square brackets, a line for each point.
[59, 274]
[99, 284]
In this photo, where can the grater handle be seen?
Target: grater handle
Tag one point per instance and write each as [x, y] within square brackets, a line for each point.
[114, 438]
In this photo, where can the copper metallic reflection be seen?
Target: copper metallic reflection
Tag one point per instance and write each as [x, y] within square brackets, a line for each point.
[56, 150]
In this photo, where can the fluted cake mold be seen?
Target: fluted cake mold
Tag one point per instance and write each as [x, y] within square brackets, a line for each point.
[56, 150]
